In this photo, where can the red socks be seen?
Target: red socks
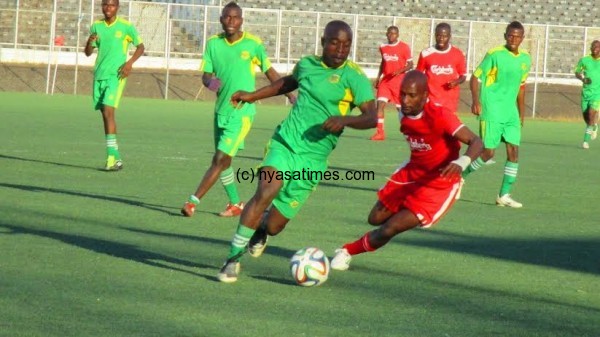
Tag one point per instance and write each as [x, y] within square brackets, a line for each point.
[359, 246]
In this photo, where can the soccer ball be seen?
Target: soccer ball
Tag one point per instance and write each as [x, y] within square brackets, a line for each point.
[309, 267]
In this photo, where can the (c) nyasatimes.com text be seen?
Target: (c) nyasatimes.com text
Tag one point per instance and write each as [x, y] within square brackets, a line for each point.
[251, 174]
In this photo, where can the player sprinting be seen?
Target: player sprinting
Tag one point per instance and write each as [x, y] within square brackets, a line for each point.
[498, 93]
[588, 71]
[445, 68]
[422, 190]
[329, 87]
[112, 36]
[228, 64]
[396, 59]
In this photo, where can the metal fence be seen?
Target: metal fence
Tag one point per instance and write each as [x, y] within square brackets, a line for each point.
[175, 35]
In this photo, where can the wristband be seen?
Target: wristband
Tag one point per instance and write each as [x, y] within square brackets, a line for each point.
[463, 161]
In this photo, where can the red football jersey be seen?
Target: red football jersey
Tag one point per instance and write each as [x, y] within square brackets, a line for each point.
[394, 57]
[430, 137]
[442, 67]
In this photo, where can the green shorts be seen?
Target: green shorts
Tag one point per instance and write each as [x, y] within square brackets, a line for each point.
[230, 131]
[591, 103]
[294, 192]
[492, 133]
[108, 92]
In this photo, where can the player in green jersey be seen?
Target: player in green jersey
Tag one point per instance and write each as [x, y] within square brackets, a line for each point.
[498, 93]
[112, 36]
[229, 63]
[329, 87]
[588, 71]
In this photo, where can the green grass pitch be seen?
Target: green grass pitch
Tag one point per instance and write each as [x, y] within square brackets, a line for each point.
[90, 253]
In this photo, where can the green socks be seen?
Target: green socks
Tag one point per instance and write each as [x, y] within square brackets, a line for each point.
[112, 148]
[510, 176]
[228, 181]
[475, 165]
[588, 133]
[193, 199]
[240, 241]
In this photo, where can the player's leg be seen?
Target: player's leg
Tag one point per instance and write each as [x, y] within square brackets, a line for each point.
[290, 199]
[249, 221]
[590, 116]
[390, 201]
[234, 136]
[420, 206]
[384, 95]
[380, 131]
[512, 137]
[490, 134]
[109, 94]
[271, 224]
[228, 137]
[220, 163]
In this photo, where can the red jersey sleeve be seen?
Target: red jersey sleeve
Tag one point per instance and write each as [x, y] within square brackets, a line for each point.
[450, 122]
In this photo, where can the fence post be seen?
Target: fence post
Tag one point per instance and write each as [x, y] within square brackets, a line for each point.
[168, 26]
[51, 46]
[317, 33]
[16, 24]
[535, 83]
[547, 39]
[79, 20]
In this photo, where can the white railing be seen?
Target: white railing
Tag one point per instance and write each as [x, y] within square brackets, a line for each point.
[175, 34]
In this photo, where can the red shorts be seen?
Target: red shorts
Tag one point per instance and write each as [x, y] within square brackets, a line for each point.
[428, 202]
[389, 91]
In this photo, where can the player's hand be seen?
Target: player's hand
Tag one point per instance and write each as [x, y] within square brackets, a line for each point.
[214, 84]
[292, 98]
[334, 124]
[452, 172]
[125, 70]
[450, 85]
[476, 108]
[93, 37]
[586, 80]
[241, 97]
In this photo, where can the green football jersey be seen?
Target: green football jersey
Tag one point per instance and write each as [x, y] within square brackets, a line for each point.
[590, 67]
[235, 65]
[112, 43]
[323, 92]
[501, 74]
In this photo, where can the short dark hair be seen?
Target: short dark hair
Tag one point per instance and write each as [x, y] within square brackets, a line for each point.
[444, 25]
[515, 25]
[233, 5]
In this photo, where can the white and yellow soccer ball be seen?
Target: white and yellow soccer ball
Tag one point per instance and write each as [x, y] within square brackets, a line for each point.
[309, 267]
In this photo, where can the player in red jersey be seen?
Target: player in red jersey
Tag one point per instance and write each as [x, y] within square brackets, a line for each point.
[396, 59]
[445, 67]
[421, 191]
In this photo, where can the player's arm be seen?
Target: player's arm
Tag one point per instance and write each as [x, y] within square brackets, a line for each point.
[282, 86]
[474, 85]
[126, 68]
[521, 103]
[456, 82]
[581, 76]
[366, 120]
[474, 149]
[89, 46]
[273, 76]
[210, 81]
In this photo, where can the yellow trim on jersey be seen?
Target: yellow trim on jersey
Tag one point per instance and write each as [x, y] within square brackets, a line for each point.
[253, 37]
[344, 104]
[120, 88]
[490, 78]
[246, 125]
